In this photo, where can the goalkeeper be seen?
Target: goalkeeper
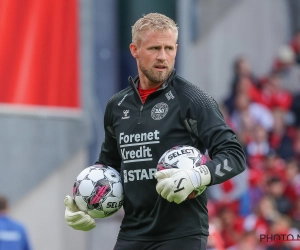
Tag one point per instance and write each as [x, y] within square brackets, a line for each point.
[158, 111]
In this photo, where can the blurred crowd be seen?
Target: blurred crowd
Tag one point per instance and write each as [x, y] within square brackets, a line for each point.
[260, 209]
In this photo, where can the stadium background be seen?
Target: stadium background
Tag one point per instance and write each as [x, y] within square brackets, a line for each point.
[60, 61]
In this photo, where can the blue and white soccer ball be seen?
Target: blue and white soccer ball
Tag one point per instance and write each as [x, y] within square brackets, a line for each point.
[98, 191]
[183, 157]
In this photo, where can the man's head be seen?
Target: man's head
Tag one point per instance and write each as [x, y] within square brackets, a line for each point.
[154, 46]
[3, 204]
[153, 22]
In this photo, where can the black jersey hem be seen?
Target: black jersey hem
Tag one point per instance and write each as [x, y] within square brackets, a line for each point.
[159, 238]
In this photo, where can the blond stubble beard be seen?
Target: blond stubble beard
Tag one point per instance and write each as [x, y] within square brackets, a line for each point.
[158, 77]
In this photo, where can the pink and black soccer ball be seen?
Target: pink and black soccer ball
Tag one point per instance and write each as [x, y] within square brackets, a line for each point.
[98, 191]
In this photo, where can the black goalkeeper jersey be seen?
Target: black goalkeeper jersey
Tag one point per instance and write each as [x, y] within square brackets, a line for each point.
[136, 136]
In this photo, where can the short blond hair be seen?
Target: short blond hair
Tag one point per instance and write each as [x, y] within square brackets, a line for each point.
[154, 22]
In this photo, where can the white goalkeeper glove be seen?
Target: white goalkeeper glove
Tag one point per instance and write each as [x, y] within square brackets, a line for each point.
[75, 218]
[175, 185]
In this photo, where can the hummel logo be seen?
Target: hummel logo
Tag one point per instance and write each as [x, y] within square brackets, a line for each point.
[225, 166]
[179, 188]
[125, 112]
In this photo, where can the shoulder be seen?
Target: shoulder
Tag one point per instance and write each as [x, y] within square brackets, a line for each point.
[118, 98]
[188, 91]
[5, 221]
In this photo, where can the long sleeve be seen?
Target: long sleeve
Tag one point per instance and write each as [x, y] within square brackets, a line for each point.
[205, 121]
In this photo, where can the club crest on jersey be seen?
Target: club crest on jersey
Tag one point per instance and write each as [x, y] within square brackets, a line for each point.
[159, 111]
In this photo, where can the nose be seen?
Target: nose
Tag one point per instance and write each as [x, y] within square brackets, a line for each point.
[161, 55]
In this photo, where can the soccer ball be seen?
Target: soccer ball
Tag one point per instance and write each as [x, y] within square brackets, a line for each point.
[98, 191]
[183, 157]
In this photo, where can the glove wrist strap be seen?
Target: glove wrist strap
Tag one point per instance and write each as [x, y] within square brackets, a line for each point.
[204, 175]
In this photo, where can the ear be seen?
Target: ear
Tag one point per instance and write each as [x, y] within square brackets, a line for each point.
[133, 49]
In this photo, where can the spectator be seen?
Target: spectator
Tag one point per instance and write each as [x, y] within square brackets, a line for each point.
[241, 71]
[255, 191]
[272, 94]
[248, 114]
[13, 235]
[215, 240]
[295, 109]
[295, 44]
[295, 215]
[281, 226]
[287, 68]
[230, 192]
[274, 166]
[280, 139]
[292, 190]
[242, 68]
[296, 144]
[281, 98]
[276, 188]
[262, 217]
[244, 85]
[232, 226]
[258, 148]
[249, 240]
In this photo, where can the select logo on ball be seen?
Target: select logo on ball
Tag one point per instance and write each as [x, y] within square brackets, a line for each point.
[182, 157]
